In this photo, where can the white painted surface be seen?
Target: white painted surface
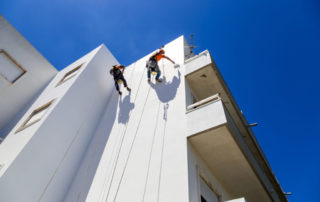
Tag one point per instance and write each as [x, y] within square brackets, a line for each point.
[3, 82]
[205, 117]
[145, 156]
[201, 60]
[8, 69]
[207, 193]
[203, 102]
[92, 145]
[45, 156]
[15, 98]
[237, 200]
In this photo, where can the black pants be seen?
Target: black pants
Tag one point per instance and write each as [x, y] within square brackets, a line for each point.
[120, 78]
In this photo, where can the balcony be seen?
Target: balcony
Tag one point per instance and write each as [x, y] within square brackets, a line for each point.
[220, 134]
[205, 114]
[201, 60]
[214, 136]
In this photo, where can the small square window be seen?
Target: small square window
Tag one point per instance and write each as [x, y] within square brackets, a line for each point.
[69, 75]
[10, 70]
[35, 116]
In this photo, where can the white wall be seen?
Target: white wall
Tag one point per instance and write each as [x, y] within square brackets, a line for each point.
[208, 116]
[93, 145]
[41, 160]
[16, 98]
[145, 157]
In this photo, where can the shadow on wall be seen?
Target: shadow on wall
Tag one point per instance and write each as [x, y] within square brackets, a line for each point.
[166, 91]
[125, 106]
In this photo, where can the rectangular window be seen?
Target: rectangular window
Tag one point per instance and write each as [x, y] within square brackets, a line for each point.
[35, 116]
[207, 192]
[10, 70]
[69, 75]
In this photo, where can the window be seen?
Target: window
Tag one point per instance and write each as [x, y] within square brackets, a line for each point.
[207, 192]
[10, 70]
[35, 116]
[203, 199]
[69, 75]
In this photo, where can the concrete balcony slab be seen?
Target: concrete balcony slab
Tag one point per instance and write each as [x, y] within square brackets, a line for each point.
[218, 141]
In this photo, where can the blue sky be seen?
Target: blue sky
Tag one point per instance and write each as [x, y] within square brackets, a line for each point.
[267, 51]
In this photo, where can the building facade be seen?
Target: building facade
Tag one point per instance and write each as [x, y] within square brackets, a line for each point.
[24, 73]
[184, 139]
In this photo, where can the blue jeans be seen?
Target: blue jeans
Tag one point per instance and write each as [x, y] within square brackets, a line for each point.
[156, 70]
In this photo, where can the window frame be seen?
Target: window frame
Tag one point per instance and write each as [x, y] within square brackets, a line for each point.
[26, 123]
[201, 176]
[64, 78]
[2, 51]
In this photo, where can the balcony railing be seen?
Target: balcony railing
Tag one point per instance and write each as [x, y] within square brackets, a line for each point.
[205, 115]
[203, 102]
[198, 61]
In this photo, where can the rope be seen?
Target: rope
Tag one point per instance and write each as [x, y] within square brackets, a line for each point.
[152, 145]
[135, 135]
[126, 162]
[118, 135]
[162, 149]
[118, 154]
[93, 152]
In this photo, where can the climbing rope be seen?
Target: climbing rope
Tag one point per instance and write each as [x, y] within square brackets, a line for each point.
[134, 138]
[118, 154]
[152, 143]
[95, 151]
[118, 135]
[162, 149]
[135, 135]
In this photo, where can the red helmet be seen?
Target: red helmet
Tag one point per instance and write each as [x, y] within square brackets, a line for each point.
[161, 51]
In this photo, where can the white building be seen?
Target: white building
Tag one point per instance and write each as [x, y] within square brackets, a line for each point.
[182, 140]
[24, 72]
